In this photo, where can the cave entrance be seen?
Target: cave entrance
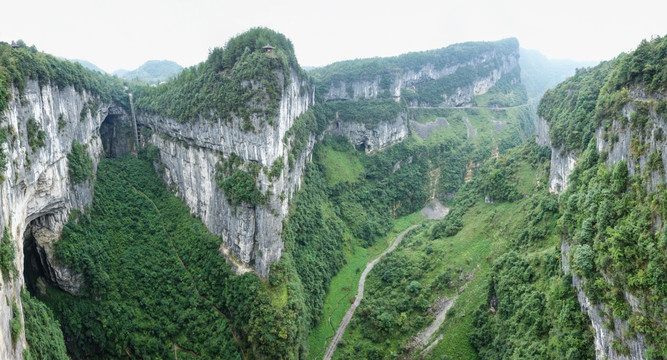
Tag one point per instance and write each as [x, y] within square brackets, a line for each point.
[40, 267]
[35, 266]
[117, 134]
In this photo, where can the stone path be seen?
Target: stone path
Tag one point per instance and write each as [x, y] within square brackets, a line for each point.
[360, 294]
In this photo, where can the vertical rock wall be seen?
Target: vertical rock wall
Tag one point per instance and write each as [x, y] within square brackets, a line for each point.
[406, 78]
[190, 152]
[37, 186]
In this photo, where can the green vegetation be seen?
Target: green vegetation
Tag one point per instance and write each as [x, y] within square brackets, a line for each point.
[340, 166]
[609, 217]
[386, 69]
[240, 186]
[368, 112]
[7, 255]
[24, 63]
[61, 123]
[15, 324]
[613, 219]
[42, 332]
[466, 266]
[276, 168]
[329, 214]
[152, 71]
[36, 136]
[154, 279]
[238, 80]
[80, 163]
[508, 91]
[569, 108]
[3, 156]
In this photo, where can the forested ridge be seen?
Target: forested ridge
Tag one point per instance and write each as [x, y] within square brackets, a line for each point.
[614, 211]
[237, 80]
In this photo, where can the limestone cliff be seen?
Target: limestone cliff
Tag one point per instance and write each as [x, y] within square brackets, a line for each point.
[190, 151]
[37, 194]
[371, 138]
[633, 132]
[562, 161]
[461, 74]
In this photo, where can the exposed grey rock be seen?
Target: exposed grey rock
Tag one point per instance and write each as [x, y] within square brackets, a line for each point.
[562, 162]
[542, 132]
[620, 147]
[407, 78]
[46, 231]
[598, 314]
[37, 184]
[370, 138]
[424, 130]
[190, 151]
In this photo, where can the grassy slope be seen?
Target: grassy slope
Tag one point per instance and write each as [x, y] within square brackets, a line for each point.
[344, 285]
[488, 227]
[345, 166]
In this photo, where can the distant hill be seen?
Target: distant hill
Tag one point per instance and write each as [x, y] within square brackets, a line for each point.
[88, 65]
[539, 73]
[152, 71]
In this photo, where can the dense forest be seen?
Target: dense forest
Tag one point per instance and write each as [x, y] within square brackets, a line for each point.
[154, 279]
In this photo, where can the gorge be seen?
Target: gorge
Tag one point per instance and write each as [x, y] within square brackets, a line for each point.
[237, 225]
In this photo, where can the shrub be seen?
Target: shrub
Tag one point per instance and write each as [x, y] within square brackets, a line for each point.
[240, 188]
[36, 135]
[15, 324]
[80, 163]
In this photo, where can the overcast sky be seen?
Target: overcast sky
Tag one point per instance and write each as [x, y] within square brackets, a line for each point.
[126, 33]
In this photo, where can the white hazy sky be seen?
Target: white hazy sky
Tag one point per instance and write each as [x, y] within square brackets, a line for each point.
[125, 33]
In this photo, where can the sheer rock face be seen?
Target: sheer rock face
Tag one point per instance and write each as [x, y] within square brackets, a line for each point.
[562, 161]
[37, 188]
[616, 142]
[407, 78]
[190, 151]
[371, 138]
[596, 312]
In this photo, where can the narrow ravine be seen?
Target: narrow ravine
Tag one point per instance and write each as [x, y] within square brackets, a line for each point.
[360, 294]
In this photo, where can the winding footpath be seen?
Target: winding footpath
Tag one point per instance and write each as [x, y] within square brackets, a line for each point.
[360, 295]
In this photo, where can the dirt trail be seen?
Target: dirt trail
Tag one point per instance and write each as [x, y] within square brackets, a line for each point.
[178, 348]
[178, 256]
[360, 294]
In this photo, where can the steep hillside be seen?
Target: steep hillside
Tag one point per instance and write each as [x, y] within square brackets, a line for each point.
[88, 65]
[609, 121]
[151, 72]
[450, 76]
[539, 73]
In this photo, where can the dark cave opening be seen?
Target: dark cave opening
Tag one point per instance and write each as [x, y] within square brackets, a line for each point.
[35, 267]
[117, 135]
